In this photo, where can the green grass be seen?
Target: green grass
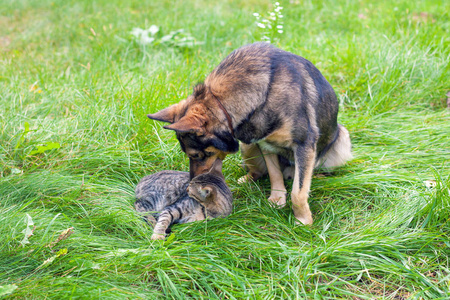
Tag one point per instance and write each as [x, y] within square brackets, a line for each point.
[71, 74]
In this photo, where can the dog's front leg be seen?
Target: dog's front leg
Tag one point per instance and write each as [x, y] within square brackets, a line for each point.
[278, 190]
[305, 157]
[254, 161]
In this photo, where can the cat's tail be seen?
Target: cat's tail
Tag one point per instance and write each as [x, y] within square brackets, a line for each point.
[338, 152]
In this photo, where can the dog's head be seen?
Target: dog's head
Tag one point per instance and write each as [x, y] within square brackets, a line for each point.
[201, 129]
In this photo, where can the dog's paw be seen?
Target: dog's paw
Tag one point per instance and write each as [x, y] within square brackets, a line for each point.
[304, 220]
[278, 198]
[157, 236]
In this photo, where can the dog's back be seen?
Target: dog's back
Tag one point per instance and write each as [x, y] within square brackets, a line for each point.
[279, 97]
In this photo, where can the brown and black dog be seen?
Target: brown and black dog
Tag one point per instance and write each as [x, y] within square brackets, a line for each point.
[278, 105]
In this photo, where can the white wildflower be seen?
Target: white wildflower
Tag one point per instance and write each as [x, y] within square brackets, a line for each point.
[137, 32]
[145, 40]
[143, 35]
[260, 25]
[175, 38]
[153, 29]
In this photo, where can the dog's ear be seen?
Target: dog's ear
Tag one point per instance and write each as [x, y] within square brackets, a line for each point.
[193, 122]
[168, 114]
[189, 124]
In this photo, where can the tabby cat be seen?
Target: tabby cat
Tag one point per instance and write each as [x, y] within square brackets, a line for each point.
[169, 198]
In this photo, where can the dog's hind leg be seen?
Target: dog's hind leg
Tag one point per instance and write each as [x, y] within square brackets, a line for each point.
[305, 156]
[253, 159]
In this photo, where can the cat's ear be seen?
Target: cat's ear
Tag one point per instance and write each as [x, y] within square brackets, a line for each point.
[216, 168]
[206, 192]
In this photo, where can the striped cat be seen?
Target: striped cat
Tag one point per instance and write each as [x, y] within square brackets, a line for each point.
[169, 198]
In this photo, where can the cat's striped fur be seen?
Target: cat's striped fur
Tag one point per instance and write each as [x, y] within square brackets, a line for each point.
[167, 197]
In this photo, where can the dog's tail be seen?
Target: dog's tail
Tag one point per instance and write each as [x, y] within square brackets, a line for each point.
[338, 152]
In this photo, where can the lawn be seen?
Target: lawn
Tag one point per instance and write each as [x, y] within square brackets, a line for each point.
[75, 89]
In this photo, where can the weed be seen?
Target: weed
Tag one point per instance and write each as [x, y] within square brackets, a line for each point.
[270, 25]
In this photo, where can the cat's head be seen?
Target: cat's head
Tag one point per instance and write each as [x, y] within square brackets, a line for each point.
[204, 187]
[211, 191]
[202, 192]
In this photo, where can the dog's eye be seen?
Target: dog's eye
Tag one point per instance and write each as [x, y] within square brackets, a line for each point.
[196, 156]
[208, 153]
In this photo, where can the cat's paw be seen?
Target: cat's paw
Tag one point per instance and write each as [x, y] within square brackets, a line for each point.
[278, 198]
[157, 236]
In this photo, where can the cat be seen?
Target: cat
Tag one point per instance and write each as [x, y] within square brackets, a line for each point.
[168, 197]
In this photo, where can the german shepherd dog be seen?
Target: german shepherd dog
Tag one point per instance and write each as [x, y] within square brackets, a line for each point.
[278, 105]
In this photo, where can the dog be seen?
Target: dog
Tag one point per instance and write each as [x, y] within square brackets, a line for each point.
[278, 105]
